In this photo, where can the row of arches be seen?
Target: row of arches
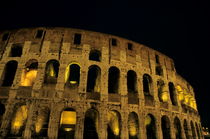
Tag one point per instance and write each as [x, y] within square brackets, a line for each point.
[68, 121]
[72, 79]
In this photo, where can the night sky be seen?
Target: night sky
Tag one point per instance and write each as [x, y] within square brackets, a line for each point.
[178, 29]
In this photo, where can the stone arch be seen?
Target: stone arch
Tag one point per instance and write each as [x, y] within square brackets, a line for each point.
[172, 92]
[131, 81]
[197, 129]
[51, 72]
[193, 130]
[178, 128]
[18, 122]
[113, 80]
[186, 129]
[165, 126]
[133, 126]
[72, 75]
[94, 79]
[147, 85]
[150, 124]
[95, 55]
[9, 73]
[67, 124]
[41, 123]
[91, 124]
[29, 73]
[114, 125]
[2, 111]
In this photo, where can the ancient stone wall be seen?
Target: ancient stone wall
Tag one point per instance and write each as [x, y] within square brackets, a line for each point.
[62, 82]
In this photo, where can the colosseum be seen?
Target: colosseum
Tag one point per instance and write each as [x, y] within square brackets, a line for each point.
[69, 83]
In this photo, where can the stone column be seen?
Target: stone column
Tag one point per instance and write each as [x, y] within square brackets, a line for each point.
[54, 123]
[79, 125]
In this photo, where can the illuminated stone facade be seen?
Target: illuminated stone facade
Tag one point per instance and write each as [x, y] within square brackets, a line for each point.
[71, 83]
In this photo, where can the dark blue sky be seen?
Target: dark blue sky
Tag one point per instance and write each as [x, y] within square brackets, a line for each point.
[178, 29]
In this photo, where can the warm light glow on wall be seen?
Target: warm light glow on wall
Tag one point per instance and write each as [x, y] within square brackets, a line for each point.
[180, 93]
[68, 118]
[148, 120]
[50, 71]
[41, 119]
[19, 119]
[164, 96]
[28, 77]
[114, 122]
[133, 125]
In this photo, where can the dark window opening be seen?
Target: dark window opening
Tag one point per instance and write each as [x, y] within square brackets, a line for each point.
[5, 37]
[178, 130]
[51, 72]
[95, 55]
[9, 73]
[74, 77]
[193, 130]
[165, 125]
[147, 84]
[77, 38]
[2, 111]
[157, 59]
[186, 130]
[39, 34]
[114, 42]
[150, 127]
[130, 46]
[90, 124]
[113, 81]
[131, 82]
[16, 50]
[159, 70]
[172, 92]
[93, 81]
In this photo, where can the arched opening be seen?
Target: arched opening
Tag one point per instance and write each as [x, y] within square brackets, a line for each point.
[29, 73]
[18, 122]
[147, 85]
[150, 126]
[172, 92]
[72, 75]
[193, 130]
[133, 126]
[51, 72]
[162, 92]
[114, 125]
[165, 125]
[95, 55]
[197, 129]
[67, 124]
[2, 111]
[131, 81]
[94, 79]
[41, 124]
[177, 127]
[186, 129]
[91, 125]
[113, 81]
[9, 73]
